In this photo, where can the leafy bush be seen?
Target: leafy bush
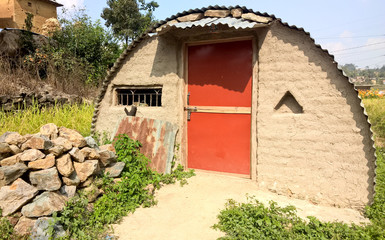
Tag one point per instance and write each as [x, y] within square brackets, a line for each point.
[84, 222]
[75, 116]
[83, 42]
[252, 220]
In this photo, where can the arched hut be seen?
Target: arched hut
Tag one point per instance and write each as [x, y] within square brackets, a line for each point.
[249, 95]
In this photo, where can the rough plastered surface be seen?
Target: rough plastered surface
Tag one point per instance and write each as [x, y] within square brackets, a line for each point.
[325, 153]
[310, 137]
[153, 63]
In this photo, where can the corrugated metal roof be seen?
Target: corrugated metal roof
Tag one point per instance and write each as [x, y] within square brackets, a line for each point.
[237, 23]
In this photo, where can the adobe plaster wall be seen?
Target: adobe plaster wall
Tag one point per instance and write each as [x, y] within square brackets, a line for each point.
[152, 63]
[41, 11]
[322, 154]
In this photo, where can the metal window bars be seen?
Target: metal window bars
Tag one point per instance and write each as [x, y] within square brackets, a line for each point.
[149, 97]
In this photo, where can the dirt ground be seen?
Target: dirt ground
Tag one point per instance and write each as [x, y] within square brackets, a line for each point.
[188, 212]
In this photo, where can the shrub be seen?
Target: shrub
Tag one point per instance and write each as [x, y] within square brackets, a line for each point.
[252, 220]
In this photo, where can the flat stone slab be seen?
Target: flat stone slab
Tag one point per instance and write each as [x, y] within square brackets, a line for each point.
[44, 205]
[47, 179]
[115, 169]
[8, 174]
[13, 197]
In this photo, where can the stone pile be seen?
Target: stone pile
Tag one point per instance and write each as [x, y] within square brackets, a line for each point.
[40, 172]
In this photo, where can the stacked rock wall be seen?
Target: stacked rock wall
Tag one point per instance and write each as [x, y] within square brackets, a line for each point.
[40, 172]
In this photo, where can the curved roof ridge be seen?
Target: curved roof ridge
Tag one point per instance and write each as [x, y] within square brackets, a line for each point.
[145, 35]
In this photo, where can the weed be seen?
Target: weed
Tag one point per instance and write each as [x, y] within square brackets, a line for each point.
[6, 229]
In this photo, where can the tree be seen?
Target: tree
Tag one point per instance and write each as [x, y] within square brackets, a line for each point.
[129, 18]
[87, 43]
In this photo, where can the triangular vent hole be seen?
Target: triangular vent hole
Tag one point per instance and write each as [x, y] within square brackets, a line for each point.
[288, 104]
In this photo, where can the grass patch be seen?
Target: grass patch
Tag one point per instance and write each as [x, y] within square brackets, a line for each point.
[75, 116]
[375, 108]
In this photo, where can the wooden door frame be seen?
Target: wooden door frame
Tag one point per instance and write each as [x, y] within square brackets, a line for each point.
[254, 97]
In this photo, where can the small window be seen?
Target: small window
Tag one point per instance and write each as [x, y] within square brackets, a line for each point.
[143, 97]
[29, 4]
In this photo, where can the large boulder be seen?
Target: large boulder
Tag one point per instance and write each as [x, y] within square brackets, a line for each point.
[64, 143]
[64, 165]
[90, 153]
[37, 142]
[45, 163]
[77, 155]
[8, 174]
[47, 179]
[24, 226]
[115, 169]
[4, 148]
[44, 205]
[12, 138]
[49, 130]
[40, 230]
[73, 136]
[31, 155]
[13, 197]
[12, 160]
[86, 169]
[72, 180]
[106, 157]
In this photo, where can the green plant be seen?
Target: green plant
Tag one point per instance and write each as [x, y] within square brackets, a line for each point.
[6, 229]
[29, 120]
[102, 138]
[84, 222]
[72, 43]
[252, 220]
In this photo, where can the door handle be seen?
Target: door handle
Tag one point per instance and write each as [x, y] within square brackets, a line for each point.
[189, 111]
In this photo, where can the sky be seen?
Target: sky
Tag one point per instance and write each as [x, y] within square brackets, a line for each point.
[351, 30]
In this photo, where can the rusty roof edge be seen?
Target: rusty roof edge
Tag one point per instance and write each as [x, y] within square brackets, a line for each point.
[117, 64]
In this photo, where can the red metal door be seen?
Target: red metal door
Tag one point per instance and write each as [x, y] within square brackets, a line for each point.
[219, 86]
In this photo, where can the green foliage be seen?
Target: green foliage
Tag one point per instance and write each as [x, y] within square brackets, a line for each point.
[252, 220]
[6, 229]
[82, 42]
[83, 222]
[129, 18]
[177, 175]
[376, 212]
[376, 113]
[75, 116]
[26, 37]
[102, 138]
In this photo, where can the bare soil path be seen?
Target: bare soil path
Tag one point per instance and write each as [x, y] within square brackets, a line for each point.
[188, 212]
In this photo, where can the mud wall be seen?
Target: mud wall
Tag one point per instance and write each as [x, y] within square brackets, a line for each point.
[313, 139]
[40, 9]
[152, 63]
